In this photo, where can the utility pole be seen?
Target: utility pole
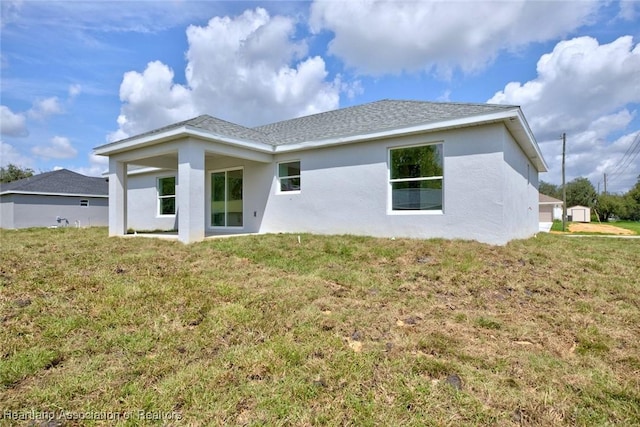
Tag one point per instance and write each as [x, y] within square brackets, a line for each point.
[564, 187]
[605, 184]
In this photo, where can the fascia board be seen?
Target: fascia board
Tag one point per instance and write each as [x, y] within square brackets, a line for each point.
[522, 133]
[403, 131]
[43, 193]
[242, 143]
[145, 170]
[172, 134]
[532, 143]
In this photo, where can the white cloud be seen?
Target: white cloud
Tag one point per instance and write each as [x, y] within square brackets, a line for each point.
[59, 148]
[381, 36]
[577, 83]
[74, 90]
[104, 16]
[151, 100]
[44, 108]
[589, 91]
[8, 154]
[247, 69]
[629, 10]
[97, 166]
[12, 124]
[10, 10]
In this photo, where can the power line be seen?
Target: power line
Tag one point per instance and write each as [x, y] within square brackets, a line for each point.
[627, 159]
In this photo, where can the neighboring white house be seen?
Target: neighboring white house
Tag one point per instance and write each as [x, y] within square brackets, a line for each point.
[388, 169]
[58, 198]
[579, 214]
[550, 208]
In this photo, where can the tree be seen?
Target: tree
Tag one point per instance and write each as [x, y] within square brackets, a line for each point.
[549, 189]
[632, 203]
[14, 173]
[580, 191]
[610, 205]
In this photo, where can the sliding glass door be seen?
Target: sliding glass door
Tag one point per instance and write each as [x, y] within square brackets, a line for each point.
[226, 198]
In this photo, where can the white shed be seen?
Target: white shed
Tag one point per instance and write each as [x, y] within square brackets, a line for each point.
[579, 214]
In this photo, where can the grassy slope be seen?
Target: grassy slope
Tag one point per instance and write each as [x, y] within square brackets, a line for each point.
[630, 225]
[335, 330]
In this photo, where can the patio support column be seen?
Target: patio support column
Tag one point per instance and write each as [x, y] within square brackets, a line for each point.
[117, 197]
[191, 192]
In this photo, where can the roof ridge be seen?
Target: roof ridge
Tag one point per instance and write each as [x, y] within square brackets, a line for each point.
[204, 117]
[60, 181]
[354, 119]
[29, 179]
[381, 101]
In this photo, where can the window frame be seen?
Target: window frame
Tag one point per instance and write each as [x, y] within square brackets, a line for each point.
[390, 181]
[210, 190]
[160, 197]
[279, 178]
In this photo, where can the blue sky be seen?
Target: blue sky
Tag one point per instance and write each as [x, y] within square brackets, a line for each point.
[78, 74]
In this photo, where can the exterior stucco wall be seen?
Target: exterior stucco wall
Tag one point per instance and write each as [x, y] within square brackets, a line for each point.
[142, 202]
[257, 181]
[6, 211]
[31, 210]
[142, 196]
[489, 191]
[345, 190]
[520, 196]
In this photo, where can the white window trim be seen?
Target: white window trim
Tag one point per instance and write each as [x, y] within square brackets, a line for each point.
[159, 214]
[390, 210]
[210, 226]
[84, 205]
[278, 177]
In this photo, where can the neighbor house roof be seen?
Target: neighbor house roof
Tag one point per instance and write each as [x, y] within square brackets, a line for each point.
[352, 124]
[61, 182]
[548, 200]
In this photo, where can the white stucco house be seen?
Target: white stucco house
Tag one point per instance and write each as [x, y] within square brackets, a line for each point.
[59, 198]
[387, 168]
[550, 208]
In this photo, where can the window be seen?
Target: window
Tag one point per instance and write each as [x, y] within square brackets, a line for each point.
[167, 195]
[84, 203]
[416, 178]
[289, 176]
[226, 198]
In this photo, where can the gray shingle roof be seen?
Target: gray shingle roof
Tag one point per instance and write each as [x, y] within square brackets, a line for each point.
[543, 198]
[62, 181]
[373, 117]
[209, 124]
[362, 119]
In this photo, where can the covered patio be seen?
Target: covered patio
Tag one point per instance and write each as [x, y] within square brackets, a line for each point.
[192, 158]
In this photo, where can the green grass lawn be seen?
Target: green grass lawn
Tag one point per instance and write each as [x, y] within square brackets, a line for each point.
[557, 225]
[629, 225]
[334, 330]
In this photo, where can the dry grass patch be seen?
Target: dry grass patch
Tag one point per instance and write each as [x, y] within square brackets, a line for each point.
[263, 330]
[591, 227]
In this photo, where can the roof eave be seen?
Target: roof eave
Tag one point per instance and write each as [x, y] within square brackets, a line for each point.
[525, 138]
[513, 119]
[45, 193]
[178, 133]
